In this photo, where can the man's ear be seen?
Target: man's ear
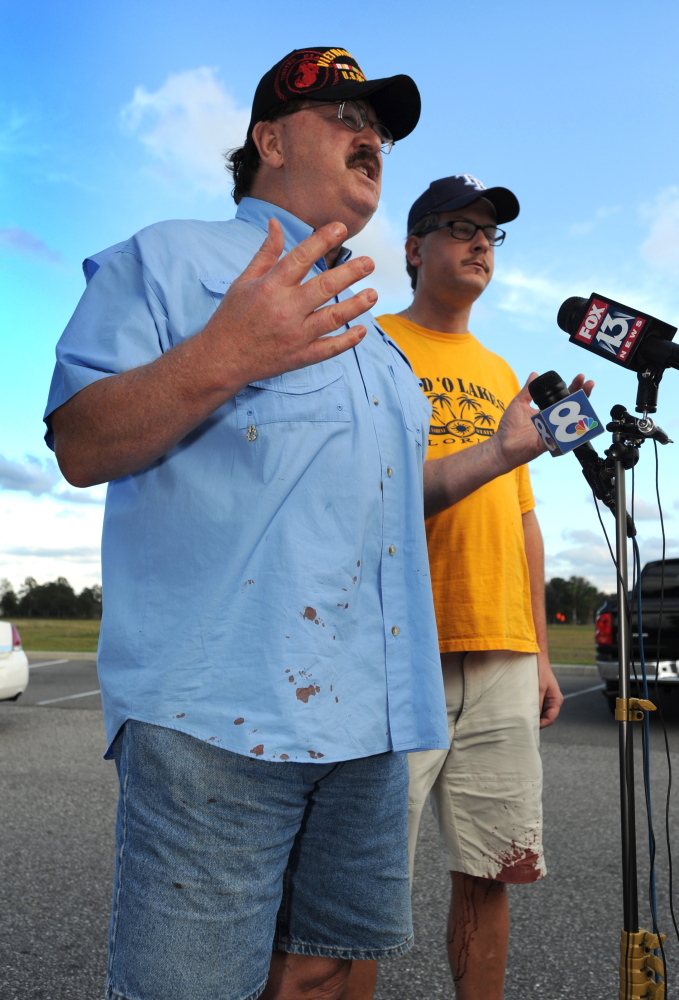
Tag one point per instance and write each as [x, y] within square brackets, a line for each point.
[413, 250]
[267, 138]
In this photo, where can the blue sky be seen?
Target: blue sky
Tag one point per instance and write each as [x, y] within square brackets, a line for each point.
[114, 116]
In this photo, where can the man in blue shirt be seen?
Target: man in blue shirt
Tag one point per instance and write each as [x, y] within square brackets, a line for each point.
[268, 637]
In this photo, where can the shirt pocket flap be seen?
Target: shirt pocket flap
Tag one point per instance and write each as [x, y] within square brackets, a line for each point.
[215, 283]
[316, 393]
[303, 380]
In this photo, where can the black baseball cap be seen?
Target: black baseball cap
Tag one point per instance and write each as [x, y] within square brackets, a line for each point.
[322, 73]
[451, 193]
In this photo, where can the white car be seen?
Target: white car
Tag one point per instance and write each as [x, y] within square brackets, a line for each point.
[13, 663]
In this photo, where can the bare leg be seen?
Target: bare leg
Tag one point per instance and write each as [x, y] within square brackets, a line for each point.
[361, 982]
[305, 977]
[478, 936]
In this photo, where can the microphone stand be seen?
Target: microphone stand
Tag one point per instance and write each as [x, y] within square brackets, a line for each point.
[640, 969]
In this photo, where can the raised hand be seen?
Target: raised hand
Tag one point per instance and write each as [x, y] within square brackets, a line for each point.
[272, 321]
[516, 436]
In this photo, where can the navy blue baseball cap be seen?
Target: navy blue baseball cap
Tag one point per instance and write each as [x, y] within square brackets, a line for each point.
[323, 73]
[450, 193]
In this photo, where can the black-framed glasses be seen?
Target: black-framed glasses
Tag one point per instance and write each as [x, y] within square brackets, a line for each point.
[355, 118]
[460, 229]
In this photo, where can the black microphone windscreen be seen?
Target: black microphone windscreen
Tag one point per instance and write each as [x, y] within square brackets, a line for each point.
[571, 313]
[547, 389]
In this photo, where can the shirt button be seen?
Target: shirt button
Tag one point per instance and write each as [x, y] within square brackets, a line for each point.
[390, 471]
[395, 630]
[376, 401]
[392, 550]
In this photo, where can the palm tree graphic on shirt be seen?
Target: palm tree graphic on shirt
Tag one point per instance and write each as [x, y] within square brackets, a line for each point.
[445, 421]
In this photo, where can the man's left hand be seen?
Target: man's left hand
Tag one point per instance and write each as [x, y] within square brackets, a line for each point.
[551, 698]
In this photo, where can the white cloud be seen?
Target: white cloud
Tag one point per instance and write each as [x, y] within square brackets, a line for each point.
[661, 247]
[186, 125]
[584, 228]
[536, 294]
[30, 475]
[526, 294]
[39, 477]
[584, 537]
[381, 241]
[36, 540]
[78, 553]
[27, 244]
[645, 511]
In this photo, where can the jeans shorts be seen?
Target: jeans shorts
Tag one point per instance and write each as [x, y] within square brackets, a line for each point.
[221, 858]
[486, 791]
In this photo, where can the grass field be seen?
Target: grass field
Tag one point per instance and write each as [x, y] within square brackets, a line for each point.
[56, 634]
[571, 643]
[567, 643]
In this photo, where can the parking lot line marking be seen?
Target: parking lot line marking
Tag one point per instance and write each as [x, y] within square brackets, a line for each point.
[574, 694]
[69, 697]
[45, 663]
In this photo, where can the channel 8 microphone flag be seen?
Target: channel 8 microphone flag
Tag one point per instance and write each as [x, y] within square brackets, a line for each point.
[567, 424]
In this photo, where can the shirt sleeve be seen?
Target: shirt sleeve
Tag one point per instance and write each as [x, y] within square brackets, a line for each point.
[118, 324]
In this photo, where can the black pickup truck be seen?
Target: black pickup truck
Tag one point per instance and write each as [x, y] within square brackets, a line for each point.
[660, 632]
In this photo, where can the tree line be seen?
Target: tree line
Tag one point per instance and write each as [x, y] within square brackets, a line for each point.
[56, 599]
[568, 602]
[572, 602]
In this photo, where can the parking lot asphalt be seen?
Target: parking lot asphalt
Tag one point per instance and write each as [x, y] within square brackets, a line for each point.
[58, 801]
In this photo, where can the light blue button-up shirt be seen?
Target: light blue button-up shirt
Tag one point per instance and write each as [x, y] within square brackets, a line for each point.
[266, 583]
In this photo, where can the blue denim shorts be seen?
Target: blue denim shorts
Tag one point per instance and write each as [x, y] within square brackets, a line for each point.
[221, 858]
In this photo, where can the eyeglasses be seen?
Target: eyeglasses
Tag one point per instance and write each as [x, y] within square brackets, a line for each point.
[466, 231]
[355, 118]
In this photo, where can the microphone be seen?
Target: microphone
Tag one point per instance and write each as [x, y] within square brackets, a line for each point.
[550, 389]
[618, 333]
[560, 423]
[625, 336]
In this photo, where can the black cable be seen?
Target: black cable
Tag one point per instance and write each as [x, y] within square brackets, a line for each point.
[636, 574]
[657, 693]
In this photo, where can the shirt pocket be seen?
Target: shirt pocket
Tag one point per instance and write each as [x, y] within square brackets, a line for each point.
[317, 393]
[414, 404]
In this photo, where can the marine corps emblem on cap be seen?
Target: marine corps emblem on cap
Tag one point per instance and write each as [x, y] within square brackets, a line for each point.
[307, 70]
[326, 73]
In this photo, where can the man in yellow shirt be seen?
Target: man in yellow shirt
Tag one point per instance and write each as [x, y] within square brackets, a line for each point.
[486, 557]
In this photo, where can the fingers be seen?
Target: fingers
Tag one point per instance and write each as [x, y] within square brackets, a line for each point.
[269, 252]
[329, 347]
[337, 315]
[327, 285]
[525, 391]
[298, 262]
[580, 383]
[551, 698]
[549, 714]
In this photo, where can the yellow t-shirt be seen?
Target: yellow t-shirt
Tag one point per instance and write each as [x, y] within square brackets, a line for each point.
[477, 556]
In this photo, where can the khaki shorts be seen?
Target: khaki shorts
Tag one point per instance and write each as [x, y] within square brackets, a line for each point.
[486, 791]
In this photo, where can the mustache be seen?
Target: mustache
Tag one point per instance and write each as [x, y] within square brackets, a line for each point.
[365, 156]
[477, 259]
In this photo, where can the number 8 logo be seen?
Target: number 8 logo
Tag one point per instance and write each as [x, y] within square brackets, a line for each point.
[565, 415]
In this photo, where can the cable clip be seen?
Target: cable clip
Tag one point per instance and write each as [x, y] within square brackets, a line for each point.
[639, 969]
[632, 709]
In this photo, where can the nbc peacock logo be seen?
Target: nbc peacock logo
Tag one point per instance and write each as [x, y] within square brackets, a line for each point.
[585, 424]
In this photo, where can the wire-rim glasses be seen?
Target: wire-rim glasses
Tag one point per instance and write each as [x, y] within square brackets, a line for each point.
[355, 118]
[460, 229]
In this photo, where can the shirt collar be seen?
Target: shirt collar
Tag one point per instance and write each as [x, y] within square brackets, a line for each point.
[258, 213]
